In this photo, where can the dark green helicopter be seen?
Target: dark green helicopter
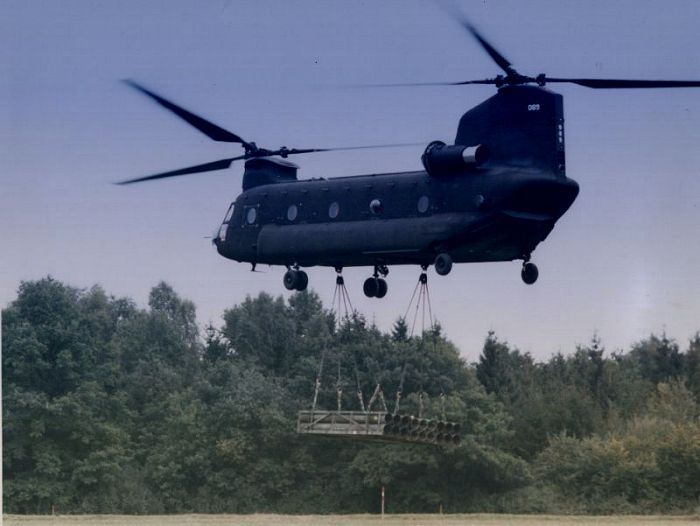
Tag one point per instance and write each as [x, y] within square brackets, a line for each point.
[493, 195]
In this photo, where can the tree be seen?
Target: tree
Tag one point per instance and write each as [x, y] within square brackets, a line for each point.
[62, 415]
[692, 365]
[262, 331]
[399, 332]
[659, 359]
[166, 303]
[503, 371]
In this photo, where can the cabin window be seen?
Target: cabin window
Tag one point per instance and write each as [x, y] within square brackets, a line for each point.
[423, 204]
[251, 215]
[229, 214]
[292, 212]
[333, 210]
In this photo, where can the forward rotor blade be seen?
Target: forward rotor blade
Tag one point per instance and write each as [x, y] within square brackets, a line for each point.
[211, 130]
[627, 83]
[295, 151]
[206, 167]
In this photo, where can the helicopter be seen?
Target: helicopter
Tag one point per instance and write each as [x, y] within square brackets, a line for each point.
[493, 195]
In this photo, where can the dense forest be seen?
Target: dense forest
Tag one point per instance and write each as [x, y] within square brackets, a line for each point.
[111, 408]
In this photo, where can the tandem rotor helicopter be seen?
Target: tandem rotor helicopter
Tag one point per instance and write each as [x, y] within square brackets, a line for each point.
[493, 195]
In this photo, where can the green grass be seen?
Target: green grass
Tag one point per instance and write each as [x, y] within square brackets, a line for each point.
[345, 520]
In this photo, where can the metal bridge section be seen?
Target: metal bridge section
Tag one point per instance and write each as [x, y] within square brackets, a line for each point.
[378, 426]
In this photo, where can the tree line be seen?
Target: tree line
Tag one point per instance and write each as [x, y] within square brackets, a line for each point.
[112, 408]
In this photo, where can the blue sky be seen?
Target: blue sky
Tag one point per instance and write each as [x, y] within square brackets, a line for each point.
[623, 262]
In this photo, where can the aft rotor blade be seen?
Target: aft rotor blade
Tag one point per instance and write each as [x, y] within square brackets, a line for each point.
[628, 83]
[503, 63]
[210, 129]
[221, 164]
[404, 84]
[459, 17]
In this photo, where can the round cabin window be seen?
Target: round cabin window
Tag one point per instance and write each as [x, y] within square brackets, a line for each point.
[251, 215]
[376, 206]
[333, 210]
[292, 212]
[423, 204]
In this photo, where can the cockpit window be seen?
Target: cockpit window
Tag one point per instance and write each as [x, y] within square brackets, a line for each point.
[229, 214]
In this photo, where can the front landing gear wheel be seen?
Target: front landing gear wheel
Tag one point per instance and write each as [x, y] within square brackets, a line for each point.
[302, 280]
[382, 288]
[443, 264]
[529, 273]
[295, 280]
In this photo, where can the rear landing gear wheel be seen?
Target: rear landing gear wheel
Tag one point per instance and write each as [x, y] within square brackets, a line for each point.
[376, 287]
[290, 279]
[295, 280]
[443, 264]
[529, 273]
[371, 287]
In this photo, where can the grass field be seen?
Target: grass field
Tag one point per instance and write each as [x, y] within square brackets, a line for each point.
[344, 520]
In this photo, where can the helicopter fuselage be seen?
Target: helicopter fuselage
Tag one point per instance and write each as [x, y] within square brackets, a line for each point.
[494, 213]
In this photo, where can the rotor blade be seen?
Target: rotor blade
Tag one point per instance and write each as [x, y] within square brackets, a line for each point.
[627, 83]
[459, 17]
[404, 84]
[495, 55]
[296, 151]
[206, 167]
[209, 129]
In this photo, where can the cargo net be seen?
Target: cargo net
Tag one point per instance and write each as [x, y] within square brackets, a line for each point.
[378, 426]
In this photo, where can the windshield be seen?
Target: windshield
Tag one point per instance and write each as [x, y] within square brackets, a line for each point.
[229, 214]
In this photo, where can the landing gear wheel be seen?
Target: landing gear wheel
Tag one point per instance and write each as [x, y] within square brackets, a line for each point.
[443, 264]
[529, 273]
[382, 288]
[295, 280]
[302, 280]
[371, 287]
[290, 279]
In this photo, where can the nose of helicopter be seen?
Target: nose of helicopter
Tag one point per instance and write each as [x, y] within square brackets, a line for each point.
[542, 198]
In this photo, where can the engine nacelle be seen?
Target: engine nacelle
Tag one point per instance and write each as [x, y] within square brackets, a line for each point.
[439, 159]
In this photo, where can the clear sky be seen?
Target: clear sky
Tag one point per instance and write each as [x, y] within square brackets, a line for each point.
[623, 261]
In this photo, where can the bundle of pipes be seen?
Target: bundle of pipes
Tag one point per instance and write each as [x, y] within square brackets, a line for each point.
[415, 429]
